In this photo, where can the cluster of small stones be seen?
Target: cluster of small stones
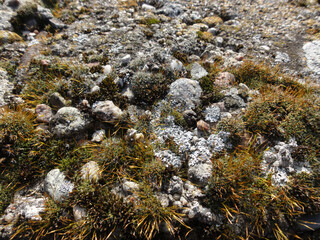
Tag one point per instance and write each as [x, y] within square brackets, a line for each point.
[142, 37]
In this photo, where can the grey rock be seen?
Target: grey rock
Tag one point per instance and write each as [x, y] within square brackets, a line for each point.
[190, 117]
[98, 136]
[91, 171]
[279, 162]
[107, 69]
[197, 71]
[126, 60]
[5, 15]
[57, 101]
[169, 158]
[148, 7]
[200, 173]
[133, 136]
[213, 31]
[200, 213]
[171, 9]
[282, 57]
[224, 79]
[232, 100]
[44, 113]
[5, 88]
[175, 186]
[184, 94]
[56, 185]
[176, 66]
[312, 53]
[67, 122]
[79, 213]
[129, 187]
[212, 114]
[106, 111]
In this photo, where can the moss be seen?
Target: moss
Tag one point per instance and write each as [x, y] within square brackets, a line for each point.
[50, 3]
[10, 66]
[181, 57]
[149, 88]
[6, 196]
[258, 75]
[149, 21]
[239, 191]
[282, 114]
[236, 128]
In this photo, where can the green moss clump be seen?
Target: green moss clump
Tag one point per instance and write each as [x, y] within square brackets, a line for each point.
[149, 88]
[280, 114]
[236, 128]
[150, 21]
[259, 75]
[6, 195]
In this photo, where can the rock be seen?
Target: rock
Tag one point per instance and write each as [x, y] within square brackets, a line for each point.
[91, 171]
[184, 94]
[243, 90]
[171, 9]
[130, 188]
[282, 57]
[232, 100]
[176, 66]
[212, 114]
[200, 213]
[312, 53]
[107, 69]
[79, 213]
[224, 79]
[98, 136]
[213, 31]
[175, 186]
[148, 7]
[203, 126]
[68, 121]
[200, 173]
[212, 21]
[133, 136]
[57, 101]
[190, 117]
[57, 186]
[279, 162]
[106, 111]
[43, 113]
[197, 71]
[126, 60]
[5, 88]
[9, 37]
[169, 158]
[163, 199]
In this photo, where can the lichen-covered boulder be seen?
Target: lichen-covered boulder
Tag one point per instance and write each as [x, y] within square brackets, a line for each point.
[67, 122]
[9, 37]
[184, 94]
[57, 186]
[106, 111]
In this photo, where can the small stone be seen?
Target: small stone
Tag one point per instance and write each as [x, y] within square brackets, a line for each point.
[8, 218]
[91, 171]
[43, 113]
[98, 136]
[57, 101]
[203, 126]
[126, 60]
[212, 114]
[197, 71]
[107, 69]
[67, 122]
[190, 117]
[130, 188]
[106, 111]
[57, 186]
[79, 213]
[200, 173]
[213, 31]
[133, 136]
[148, 7]
[244, 90]
[224, 79]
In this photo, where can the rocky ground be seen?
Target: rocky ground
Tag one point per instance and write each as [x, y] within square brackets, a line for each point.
[191, 119]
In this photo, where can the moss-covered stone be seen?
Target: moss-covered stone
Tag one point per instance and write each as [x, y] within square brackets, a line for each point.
[9, 37]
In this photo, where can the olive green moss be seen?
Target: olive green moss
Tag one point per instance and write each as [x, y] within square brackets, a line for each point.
[279, 114]
[6, 195]
[149, 88]
[235, 126]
